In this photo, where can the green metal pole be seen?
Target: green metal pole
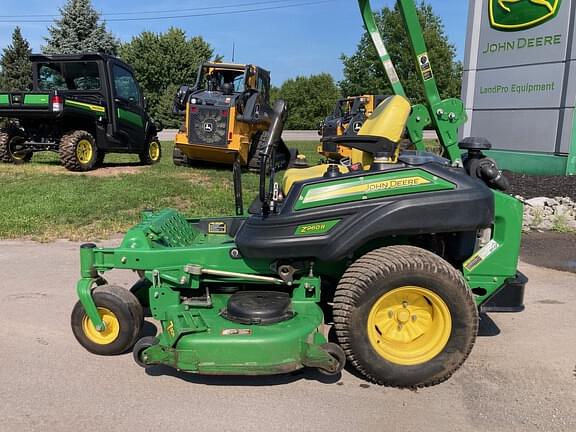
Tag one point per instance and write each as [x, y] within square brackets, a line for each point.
[448, 115]
[370, 23]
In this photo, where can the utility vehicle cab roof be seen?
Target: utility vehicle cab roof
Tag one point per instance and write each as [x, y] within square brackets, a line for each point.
[39, 58]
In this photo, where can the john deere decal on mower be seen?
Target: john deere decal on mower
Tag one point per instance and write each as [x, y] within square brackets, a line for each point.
[402, 249]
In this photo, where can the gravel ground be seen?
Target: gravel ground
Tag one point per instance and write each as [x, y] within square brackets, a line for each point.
[541, 186]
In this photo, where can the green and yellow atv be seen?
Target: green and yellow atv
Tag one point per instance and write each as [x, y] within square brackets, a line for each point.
[397, 252]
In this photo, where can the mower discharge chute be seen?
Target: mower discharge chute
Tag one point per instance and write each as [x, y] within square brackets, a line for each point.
[398, 252]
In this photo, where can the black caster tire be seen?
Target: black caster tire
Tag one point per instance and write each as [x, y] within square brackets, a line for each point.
[337, 353]
[122, 315]
[143, 344]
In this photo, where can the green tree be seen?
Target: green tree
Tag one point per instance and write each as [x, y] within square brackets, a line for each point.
[16, 73]
[364, 73]
[162, 62]
[310, 100]
[79, 30]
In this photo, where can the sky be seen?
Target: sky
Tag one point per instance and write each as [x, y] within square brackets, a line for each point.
[302, 40]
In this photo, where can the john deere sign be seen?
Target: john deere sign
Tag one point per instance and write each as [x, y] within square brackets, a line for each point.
[520, 82]
[515, 15]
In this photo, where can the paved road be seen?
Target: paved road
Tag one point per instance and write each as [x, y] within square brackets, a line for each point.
[169, 134]
[520, 379]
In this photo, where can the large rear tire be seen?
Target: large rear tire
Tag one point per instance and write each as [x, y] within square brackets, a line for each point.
[10, 151]
[78, 151]
[405, 317]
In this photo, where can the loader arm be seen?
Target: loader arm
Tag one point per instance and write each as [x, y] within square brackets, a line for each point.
[446, 116]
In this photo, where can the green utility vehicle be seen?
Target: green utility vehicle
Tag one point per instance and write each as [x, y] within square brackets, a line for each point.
[81, 106]
[397, 252]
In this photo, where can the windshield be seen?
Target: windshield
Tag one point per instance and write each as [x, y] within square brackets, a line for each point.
[69, 76]
[213, 79]
[343, 108]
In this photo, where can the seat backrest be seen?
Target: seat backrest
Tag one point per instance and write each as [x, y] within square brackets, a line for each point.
[388, 121]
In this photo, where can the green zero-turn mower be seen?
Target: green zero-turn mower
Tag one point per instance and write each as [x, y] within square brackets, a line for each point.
[398, 253]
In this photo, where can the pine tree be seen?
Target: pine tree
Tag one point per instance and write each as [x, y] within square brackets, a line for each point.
[16, 71]
[79, 30]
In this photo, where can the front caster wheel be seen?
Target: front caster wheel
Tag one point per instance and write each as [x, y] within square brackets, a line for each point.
[338, 354]
[141, 346]
[122, 316]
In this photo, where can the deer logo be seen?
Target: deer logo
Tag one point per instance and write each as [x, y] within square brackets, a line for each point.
[504, 4]
[516, 15]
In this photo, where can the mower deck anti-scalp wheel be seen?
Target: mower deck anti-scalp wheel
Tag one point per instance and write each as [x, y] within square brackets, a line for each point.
[143, 344]
[338, 354]
[152, 152]
[10, 151]
[405, 317]
[78, 151]
[123, 318]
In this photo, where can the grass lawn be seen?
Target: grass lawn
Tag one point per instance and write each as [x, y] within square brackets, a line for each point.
[42, 201]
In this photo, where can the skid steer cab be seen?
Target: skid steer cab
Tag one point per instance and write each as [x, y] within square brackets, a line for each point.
[227, 114]
[398, 254]
[82, 107]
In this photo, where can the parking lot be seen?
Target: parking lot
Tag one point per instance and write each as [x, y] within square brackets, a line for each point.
[520, 375]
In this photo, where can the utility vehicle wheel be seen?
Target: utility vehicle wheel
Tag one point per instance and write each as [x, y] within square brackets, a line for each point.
[123, 318]
[405, 317]
[152, 152]
[143, 344]
[11, 149]
[338, 354]
[180, 158]
[78, 151]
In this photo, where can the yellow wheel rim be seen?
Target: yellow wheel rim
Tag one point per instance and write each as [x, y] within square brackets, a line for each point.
[409, 325]
[110, 332]
[18, 155]
[154, 151]
[84, 151]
